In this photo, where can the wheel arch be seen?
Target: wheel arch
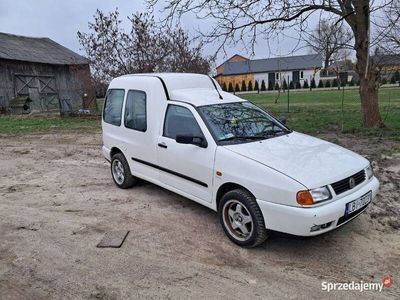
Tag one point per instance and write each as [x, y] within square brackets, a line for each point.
[114, 150]
[227, 187]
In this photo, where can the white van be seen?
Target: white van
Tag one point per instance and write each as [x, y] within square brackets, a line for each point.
[182, 132]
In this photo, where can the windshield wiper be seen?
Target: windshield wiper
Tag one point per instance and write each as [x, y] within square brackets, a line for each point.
[261, 135]
[274, 132]
[244, 137]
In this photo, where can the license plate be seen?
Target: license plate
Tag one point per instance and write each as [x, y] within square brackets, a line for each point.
[359, 203]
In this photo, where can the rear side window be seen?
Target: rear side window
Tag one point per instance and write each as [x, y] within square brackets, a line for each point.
[180, 120]
[135, 111]
[113, 107]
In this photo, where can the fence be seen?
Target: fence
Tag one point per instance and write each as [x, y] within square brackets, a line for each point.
[327, 109]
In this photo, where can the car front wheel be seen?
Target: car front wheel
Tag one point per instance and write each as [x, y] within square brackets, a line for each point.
[241, 218]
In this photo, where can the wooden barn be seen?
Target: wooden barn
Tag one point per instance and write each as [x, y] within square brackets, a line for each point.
[38, 74]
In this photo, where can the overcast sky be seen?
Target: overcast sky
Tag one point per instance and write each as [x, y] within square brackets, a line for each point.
[61, 20]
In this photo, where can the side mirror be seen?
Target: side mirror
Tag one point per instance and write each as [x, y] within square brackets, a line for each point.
[282, 120]
[190, 139]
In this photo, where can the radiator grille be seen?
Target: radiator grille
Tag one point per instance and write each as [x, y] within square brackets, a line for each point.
[343, 185]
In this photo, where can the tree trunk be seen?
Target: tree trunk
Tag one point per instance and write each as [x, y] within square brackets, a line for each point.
[369, 88]
[369, 74]
[326, 61]
[369, 103]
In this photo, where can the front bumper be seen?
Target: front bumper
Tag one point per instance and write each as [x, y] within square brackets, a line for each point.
[299, 220]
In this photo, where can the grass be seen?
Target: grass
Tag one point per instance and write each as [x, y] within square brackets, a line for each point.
[317, 111]
[309, 112]
[39, 124]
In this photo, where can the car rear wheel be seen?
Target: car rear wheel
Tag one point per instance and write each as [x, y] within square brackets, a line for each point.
[121, 173]
[241, 218]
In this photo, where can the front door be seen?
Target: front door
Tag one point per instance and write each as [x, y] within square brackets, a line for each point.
[296, 77]
[271, 80]
[186, 167]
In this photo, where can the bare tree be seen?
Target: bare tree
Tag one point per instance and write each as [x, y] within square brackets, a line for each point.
[185, 56]
[243, 21]
[389, 29]
[147, 47]
[329, 38]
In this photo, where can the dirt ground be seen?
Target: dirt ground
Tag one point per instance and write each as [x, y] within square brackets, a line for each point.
[57, 200]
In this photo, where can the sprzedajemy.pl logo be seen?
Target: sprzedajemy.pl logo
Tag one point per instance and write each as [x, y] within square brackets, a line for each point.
[356, 286]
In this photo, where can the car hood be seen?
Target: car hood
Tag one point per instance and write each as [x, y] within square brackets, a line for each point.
[310, 161]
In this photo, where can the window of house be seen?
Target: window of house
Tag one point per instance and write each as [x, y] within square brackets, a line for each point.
[301, 75]
[135, 110]
[180, 120]
[113, 106]
[277, 75]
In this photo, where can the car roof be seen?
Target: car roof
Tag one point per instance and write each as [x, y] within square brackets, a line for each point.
[196, 89]
[201, 97]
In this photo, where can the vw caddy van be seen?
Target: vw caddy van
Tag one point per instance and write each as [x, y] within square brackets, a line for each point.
[183, 133]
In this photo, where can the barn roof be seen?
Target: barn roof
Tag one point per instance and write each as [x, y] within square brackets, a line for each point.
[301, 62]
[38, 50]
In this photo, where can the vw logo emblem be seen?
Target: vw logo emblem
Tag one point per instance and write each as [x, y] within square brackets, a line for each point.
[352, 182]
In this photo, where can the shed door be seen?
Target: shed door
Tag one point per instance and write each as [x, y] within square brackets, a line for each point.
[34, 96]
[41, 89]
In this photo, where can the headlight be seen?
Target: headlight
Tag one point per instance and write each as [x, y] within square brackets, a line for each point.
[313, 196]
[369, 172]
[320, 194]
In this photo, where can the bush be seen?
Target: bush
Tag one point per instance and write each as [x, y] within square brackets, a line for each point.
[284, 85]
[298, 85]
[291, 85]
[223, 86]
[263, 85]
[334, 82]
[384, 80]
[320, 84]
[328, 83]
[256, 88]
[305, 85]
[230, 87]
[237, 89]
[270, 87]
[313, 85]
[250, 86]
[243, 89]
[351, 83]
[397, 75]
[393, 79]
[277, 86]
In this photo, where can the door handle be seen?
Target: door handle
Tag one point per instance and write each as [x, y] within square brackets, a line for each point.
[162, 145]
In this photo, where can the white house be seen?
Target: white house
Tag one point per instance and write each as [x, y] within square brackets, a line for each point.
[271, 70]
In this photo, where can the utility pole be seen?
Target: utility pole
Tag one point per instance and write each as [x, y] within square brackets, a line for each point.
[288, 95]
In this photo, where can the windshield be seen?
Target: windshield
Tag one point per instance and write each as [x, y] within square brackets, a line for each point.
[240, 122]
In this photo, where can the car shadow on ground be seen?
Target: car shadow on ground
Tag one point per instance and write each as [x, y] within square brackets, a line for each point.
[276, 240]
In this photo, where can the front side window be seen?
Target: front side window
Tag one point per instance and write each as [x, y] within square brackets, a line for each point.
[240, 122]
[180, 120]
[135, 110]
[301, 74]
[113, 107]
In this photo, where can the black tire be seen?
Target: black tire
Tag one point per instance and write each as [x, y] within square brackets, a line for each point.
[228, 205]
[126, 180]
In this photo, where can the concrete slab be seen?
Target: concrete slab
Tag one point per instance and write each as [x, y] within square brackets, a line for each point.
[113, 239]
